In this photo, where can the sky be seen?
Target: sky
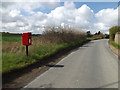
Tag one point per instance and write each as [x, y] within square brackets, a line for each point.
[19, 17]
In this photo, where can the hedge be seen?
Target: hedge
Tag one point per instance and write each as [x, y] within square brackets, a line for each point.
[113, 31]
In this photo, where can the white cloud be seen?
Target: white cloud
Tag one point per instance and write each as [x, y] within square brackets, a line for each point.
[30, 0]
[28, 6]
[12, 24]
[106, 18]
[14, 13]
[69, 5]
[104, 15]
[82, 17]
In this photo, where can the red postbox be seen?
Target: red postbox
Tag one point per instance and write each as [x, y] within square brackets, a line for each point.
[27, 38]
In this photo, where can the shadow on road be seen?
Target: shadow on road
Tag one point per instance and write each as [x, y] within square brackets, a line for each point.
[58, 66]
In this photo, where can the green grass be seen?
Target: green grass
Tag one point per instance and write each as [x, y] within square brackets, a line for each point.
[12, 61]
[116, 45]
[91, 38]
[12, 38]
[0, 62]
[16, 60]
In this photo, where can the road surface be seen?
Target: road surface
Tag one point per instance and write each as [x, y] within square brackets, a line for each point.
[91, 66]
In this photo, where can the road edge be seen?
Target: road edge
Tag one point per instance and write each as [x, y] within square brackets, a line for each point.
[25, 72]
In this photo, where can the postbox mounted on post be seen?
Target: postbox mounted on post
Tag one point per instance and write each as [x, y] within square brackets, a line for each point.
[27, 40]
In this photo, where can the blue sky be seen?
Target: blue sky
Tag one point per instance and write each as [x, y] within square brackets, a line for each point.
[95, 6]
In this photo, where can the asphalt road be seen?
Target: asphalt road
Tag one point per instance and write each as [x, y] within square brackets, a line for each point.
[92, 66]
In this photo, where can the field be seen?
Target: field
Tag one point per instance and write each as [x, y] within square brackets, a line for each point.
[13, 52]
[11, 38]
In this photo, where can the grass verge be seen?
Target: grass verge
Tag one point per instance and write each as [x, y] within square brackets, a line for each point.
[13, 61]
[116, 45]
[91, 38]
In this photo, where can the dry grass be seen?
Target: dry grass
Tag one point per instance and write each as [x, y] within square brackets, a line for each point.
[50, 42]
[50, 35]
[62, 35]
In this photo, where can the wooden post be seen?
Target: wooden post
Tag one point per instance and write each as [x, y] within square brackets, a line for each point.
[26, 50]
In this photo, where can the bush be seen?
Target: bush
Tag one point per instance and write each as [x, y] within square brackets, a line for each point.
[113, 31]
[63, 35]
[89, 34]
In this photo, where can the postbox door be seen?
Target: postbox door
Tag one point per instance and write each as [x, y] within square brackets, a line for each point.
[26, 39]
